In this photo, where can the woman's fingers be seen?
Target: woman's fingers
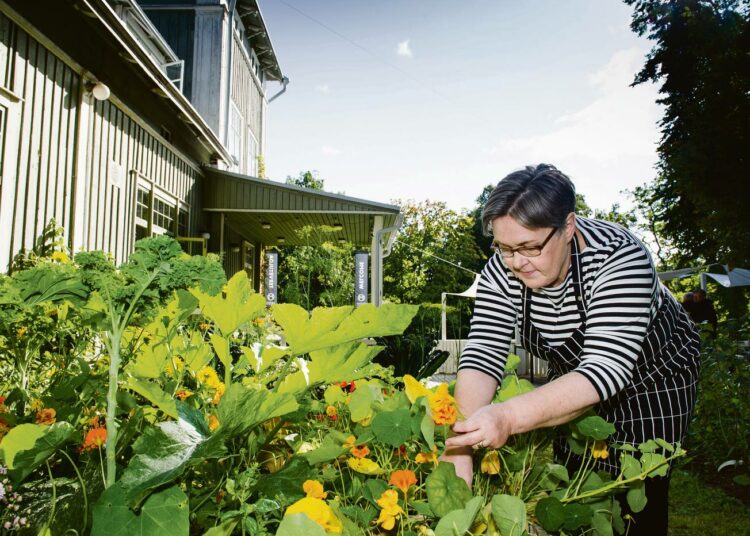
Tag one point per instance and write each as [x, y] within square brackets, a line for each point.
[465, 440]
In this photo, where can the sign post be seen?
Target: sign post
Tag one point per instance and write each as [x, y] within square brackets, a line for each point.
[361, 262]
[272, 264]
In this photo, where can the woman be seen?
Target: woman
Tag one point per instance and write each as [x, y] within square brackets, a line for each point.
[585, 296]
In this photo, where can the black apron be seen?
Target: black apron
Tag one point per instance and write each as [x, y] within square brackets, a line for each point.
[660, 397]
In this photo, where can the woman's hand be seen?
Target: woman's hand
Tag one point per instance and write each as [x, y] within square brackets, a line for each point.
[488, 427]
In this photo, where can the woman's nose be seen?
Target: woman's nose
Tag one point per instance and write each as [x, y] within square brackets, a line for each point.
[519, 261]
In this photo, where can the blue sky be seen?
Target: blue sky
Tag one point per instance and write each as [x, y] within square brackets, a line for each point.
[418, 99]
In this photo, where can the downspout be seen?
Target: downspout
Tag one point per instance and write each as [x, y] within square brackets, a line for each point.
[230, 71]
[379, 255]
[284, 83]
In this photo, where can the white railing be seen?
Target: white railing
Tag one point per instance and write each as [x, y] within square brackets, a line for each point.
[454, 347]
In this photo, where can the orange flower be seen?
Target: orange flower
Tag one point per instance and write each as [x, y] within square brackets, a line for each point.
[403, 479]
[599, 450]
[427, 457]
[220, 389]
[95, 438]
[46, 416]
[3, 409]
[313, 488]
[350, 442]
[443, 405]
[331, 411]
[360, 451]
[183, 394]
[348, 387]
[4, 428]
[213, 423]
[20, 332]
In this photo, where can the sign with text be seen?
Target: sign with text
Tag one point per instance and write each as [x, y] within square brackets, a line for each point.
[361, 259]
[272, 265]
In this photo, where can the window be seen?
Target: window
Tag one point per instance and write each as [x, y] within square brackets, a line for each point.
[182, 223]
[234, 143]
[158, 213]
[252, 154]
[164, 217]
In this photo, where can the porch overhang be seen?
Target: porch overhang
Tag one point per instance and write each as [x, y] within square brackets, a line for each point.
[274, 213]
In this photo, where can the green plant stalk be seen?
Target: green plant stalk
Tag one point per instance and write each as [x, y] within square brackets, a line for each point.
[83, 489]
[54, 495]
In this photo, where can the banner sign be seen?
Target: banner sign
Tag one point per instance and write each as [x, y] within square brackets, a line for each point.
[361, 259]
[272, 264]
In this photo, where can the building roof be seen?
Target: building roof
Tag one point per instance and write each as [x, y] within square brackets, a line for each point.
[267, 210]
[257, 34]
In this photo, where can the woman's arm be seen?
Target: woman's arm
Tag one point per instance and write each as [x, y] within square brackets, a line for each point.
[551, 404]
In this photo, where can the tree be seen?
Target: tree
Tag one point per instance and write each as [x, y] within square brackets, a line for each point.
[701, 59]
[483, 240]
[413, 273]
[306, 179]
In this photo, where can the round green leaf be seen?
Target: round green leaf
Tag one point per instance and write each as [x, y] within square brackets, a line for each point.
[594, 427]
[601, 525]
[551, 513]
[459, 521]
[636, 496]
[445, 490]
[577, 515]
[392, 427]
[299, 525]
[509, 513]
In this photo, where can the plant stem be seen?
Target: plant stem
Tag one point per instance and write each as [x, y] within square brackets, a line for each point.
[111, 444]
[54, 495]
[83, 489]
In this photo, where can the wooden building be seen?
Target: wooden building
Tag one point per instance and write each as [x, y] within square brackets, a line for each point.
[122, 120]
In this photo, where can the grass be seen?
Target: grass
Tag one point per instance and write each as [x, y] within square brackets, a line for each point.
[697, 509]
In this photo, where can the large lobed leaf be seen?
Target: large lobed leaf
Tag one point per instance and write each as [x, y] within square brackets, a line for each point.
[27, 446]
[165, 512]
[241, 408]
[234, 307]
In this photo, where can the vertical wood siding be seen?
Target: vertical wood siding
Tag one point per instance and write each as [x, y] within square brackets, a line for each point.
[247, 96]
[45, 165]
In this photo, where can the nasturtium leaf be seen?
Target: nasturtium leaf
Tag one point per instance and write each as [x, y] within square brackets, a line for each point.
[551, 513]
[594, 427]
[350, 528]
[459, 521]
[655, 464]
[636, 496]
[361, 515]
[576, 515]
[591, 482]
[392, 427]
[221, 347]
[512, 363]
[299, 525]
[427, 425]
[153, 393]
[164, 512]
[373, 489]
[629, 466]
[26, 446]
[558, 471]
[516, 461]
[422, 508]
[329, 449]
[164, 451]
[445, 490]
[225, 529]
[509, 513]
[360, 401]
[601, 524]
[334, 395]
[512, 386]
[288, 480]
[618, 523]
[648, 446]
[241, 408]
[664, 444]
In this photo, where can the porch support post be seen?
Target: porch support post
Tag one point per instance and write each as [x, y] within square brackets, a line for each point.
[376, 280]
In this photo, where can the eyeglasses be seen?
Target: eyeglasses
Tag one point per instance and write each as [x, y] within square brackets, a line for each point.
[526, 251]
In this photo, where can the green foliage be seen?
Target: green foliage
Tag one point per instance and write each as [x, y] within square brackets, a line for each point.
[165, 512]
[27, 446]
[446, 491]
[700, 59]
[459, 521]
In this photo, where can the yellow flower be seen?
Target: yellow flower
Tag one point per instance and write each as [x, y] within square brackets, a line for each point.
[314, 489]
[390, 509]
[208, 376]
[60, 256]
[220, 389]
[491, 463]
[20, 332]
[443, 405]
[331, 411]
[414, 388]
[350, 442]
[174, 365]
[364, 465]
[403, 479]
[318, 511]
[427, 457]
[213, 423]
[36, 405]
[599, 450]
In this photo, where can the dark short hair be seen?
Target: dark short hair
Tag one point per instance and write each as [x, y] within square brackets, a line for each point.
[536, 196]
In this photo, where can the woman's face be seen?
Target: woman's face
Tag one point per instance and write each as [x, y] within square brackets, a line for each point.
[551, 266]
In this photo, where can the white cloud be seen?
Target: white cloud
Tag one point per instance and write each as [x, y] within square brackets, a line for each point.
[403, 49]
[330, 151]
[608, 145]
[322, 88]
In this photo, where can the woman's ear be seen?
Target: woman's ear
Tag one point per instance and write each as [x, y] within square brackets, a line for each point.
[570, 226]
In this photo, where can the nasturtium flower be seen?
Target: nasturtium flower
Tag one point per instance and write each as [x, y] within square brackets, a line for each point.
[350, 442]
[427, 457]
[3, 409]
[220, 389]
[208, 376]
[390, 509]
[491, 463]
[318, 511]
[314, 489]
[443, 405]
[599, 450]
[183, 394]
[46, 416]
[213, 423]
[36, 405]
[414, 388]
[403, 479]
[360, 451]
[95, 438]
[331, 411]
[364, 465]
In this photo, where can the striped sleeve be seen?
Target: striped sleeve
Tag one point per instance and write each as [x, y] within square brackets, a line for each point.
[618, 315]
[492, 326]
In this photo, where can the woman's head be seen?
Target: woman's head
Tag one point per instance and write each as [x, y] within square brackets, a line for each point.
[536, 197]
[531, 216]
